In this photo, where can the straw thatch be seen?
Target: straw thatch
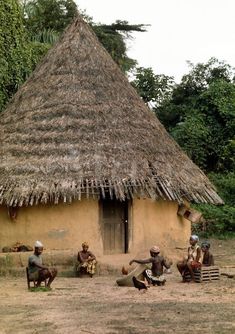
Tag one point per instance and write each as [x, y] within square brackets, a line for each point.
[77, 126]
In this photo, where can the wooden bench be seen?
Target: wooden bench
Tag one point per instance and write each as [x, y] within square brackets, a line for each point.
[205, 274]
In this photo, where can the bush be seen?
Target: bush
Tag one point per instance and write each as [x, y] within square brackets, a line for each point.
[219, 220]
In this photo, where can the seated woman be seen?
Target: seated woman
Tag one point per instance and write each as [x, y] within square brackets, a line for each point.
[194, 259]
[86, 261]
[208, 259]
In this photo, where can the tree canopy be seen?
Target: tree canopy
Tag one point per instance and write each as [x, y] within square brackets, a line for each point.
[45, 20]
[30, 27]
[51, 16]
[114, 36]
[15, 52]
[154, 88]
[200, 115]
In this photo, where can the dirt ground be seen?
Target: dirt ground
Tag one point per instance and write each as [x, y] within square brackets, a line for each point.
[98, 305]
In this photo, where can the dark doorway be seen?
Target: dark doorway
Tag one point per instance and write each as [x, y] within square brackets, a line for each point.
[114, 219]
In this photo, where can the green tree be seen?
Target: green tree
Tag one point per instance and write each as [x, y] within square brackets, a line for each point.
[220, 220]
[15, 52]
[28, 29]
[48, 15]
[154, 88]
[47, 19]
[113, 37]
[200, 115]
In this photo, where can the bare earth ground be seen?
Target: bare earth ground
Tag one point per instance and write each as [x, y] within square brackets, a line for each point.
[98, 305]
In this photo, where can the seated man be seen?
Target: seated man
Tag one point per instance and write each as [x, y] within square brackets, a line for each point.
[86, 261]
[154, 275]
[37, 271]
[207, 259]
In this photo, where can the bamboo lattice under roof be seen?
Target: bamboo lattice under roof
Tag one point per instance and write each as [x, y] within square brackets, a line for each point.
[78, 127]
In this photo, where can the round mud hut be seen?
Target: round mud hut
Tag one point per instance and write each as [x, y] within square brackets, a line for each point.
[83, 158]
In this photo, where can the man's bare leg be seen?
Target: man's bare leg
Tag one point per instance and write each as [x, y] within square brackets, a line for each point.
[53, 274]
[191, 270]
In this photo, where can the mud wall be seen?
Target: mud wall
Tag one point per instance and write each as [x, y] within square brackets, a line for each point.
[62, 226]
[157, 223]
[66, 226]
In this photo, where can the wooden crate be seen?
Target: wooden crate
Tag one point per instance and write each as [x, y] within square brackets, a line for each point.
[205, 274]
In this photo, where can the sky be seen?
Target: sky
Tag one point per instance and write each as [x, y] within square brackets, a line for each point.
[180, 31]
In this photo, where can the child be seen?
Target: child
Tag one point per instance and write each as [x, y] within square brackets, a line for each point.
[154, 275]
[208, 259]
[194, 258]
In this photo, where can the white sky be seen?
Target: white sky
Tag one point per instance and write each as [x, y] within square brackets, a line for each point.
[181, 30]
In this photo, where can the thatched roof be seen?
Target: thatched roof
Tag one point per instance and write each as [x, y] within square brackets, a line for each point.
[77, 126]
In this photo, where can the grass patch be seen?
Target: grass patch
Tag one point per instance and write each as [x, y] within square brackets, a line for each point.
[40, 289]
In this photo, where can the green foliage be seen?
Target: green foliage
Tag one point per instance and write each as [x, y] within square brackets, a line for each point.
[220, 220]
[28, 28]
[37, 51]
[152, 87]
[45, 20]
[47, 36]
[192, 134]
[15, 60]
[40, 289]
[48, 15]
[200, 115]
[113, 37]
[226, 186]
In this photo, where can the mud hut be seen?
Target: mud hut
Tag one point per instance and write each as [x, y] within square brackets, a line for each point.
[83, 158]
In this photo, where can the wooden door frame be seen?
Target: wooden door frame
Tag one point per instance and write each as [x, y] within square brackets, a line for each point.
[127, 219]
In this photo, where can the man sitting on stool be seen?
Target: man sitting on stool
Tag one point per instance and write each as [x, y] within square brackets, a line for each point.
[37, 271]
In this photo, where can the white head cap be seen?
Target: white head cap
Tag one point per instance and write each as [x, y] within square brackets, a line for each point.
[38, 244]
[194, 237]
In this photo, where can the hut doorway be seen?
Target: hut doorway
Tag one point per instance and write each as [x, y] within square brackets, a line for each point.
[114, 219]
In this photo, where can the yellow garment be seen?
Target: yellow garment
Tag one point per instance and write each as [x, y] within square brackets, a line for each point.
[90, 266]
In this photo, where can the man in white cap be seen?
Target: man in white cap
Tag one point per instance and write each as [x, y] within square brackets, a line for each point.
[154, 275]
[37, 271]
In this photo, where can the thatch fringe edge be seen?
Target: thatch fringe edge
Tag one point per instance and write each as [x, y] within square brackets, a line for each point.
[121, 190]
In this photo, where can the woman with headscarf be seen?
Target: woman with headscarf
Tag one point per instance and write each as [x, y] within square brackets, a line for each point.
[86, 261]
[154, 275]
[193, 260]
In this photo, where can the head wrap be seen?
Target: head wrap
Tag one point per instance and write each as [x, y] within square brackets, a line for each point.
[205, 244]
[155, 249]
[194, 237]
[38, 244]
[85, 244]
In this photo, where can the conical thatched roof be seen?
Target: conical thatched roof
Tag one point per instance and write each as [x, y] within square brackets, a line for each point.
[77, 126]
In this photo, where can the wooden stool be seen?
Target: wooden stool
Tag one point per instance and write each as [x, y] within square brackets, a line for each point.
[32, 280]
